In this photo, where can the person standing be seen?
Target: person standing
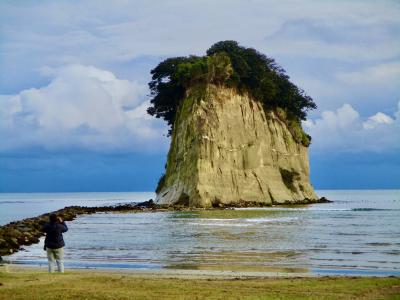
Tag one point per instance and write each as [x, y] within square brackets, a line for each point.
[54, 242]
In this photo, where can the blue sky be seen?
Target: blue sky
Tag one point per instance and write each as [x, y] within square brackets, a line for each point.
[73, 85]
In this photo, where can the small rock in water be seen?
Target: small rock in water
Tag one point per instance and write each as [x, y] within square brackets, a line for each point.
[324, 200]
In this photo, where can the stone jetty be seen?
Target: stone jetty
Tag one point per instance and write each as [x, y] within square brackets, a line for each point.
[28, 231]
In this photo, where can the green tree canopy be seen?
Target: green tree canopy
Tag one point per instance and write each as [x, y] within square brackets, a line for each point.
[227, 63]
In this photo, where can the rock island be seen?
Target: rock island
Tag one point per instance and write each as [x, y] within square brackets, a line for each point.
[236, 135]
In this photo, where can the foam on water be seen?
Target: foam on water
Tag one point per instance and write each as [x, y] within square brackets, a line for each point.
[292, 209]
[268, 220]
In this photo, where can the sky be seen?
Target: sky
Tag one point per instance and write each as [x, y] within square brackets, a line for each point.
[74, 94]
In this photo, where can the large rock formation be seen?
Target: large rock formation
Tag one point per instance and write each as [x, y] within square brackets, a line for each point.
[226, 149]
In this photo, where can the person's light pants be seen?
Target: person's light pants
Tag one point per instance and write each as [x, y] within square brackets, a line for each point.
[55, 255]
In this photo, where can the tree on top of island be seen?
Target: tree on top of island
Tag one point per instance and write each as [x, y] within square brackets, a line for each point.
[229, 64]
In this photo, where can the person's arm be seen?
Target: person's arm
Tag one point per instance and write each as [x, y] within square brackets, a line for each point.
[64, 226]
[45, 227]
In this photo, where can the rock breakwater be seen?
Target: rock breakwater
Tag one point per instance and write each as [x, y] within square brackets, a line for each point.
[28, 231]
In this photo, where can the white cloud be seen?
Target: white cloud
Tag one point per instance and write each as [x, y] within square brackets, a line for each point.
[382, 74]
[342, 38]
[376, 120]
[344, 130]
[92, 33]
[82, 107]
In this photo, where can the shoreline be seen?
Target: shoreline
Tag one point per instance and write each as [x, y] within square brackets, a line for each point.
[201, 273]
[166, 273]
[211, 273]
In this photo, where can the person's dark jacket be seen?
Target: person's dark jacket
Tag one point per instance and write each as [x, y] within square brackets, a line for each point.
[54, 238]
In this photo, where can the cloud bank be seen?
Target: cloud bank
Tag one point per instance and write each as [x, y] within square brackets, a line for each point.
[344, 130]
[81, 107]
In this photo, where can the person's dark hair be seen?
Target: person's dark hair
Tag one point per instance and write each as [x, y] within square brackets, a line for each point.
[53, 218]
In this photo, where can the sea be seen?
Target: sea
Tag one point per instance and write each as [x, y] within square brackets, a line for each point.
[357, 234]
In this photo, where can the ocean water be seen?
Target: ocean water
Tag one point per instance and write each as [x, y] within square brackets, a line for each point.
[16, 206]
[357, 234]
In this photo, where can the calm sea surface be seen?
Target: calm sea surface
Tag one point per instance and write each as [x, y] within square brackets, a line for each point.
[357, 234]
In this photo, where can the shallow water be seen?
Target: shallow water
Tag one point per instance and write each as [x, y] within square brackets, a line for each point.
[358, 234]
[16, 206]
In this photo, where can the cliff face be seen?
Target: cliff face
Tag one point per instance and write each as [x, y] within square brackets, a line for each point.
[226, 150]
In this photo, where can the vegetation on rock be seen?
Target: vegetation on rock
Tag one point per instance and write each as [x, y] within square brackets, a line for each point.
[227, 63]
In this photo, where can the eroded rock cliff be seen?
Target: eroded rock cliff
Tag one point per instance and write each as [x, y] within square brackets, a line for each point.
[226, 149]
